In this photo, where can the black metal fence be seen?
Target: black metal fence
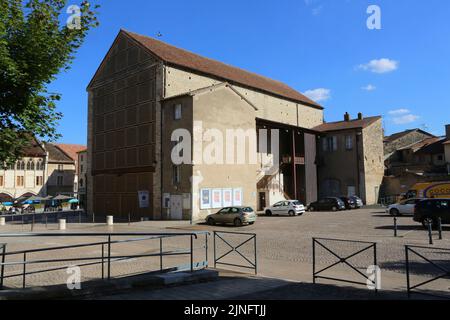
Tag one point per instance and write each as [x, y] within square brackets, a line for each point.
[344, 260]
[234, 248]
[105, 259]
[443, 271]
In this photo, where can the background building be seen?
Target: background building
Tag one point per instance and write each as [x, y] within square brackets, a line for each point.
[82, 178]
[350, 158]
[144, 89]
[28, 176]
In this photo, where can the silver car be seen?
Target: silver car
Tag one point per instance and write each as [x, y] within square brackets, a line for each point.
[286, 207]
[237, 216]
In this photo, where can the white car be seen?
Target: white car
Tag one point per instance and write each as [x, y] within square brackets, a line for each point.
[286, 207]
[403, 207]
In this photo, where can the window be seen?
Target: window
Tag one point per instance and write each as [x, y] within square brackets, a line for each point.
[440, 157]
[177, 111]
[81, 158]
[81, 183]
[59, 180]
[40, 165]
[20, 165]
[60, 167]
[81, 168]
[30, 165]
[348, 142]
[224, 210]
[20, 181]
[329, 144]
[1, 181]
[176, 175]
[39, 181]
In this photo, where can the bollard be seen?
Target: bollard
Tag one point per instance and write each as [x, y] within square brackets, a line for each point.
[109, 220]
[395, 226]
[62, 224]
[129, 218]
[2, 221]
[440, 228]
[430, 230]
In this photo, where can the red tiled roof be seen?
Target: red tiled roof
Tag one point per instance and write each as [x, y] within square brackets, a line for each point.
[71, 149]
[345, 125]
[192, 61]
[33, 148]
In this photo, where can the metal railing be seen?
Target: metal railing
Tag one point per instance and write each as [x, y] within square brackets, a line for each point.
[445, 273]
[105, 258]
[251, 237]
[344, 260]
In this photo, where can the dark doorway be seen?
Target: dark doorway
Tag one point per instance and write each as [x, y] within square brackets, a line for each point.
[262, 201]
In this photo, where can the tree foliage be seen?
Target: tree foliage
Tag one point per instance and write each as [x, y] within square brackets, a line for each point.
[36, 43]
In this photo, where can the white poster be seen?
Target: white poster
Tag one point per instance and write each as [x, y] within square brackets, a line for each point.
[237, 197]
[217, 198]
[144, 199]
[186, 201]
[205, 199]
[227, 197]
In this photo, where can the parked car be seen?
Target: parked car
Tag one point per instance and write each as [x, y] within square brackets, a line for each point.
[403, 207]
[350, 203]
[429, 210]
[327, 204]
[234, 215]
[287, 207]
[358, 202]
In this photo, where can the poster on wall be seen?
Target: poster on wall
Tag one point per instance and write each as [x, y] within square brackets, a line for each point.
[217, 198]
[227, 197]
[205, 199]
[237, 197]
[186, 201]
[144, 199]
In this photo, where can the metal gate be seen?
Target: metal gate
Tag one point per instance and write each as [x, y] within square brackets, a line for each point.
[344, 260]
[444, 272]
[248, 238]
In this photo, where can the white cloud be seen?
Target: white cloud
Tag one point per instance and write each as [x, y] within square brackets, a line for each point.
[402, 116]
[320, 94]
[397, 112]
[380, 66]
[369, 87]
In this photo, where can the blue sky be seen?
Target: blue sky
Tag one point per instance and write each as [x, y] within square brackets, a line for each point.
[321, 47]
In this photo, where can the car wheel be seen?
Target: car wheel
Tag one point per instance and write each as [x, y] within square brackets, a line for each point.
[312, 209]
[394, 212]
[291, 213]
[237, 222]
[334, 208]
[268, 213]
[251, 223]
[211, 222]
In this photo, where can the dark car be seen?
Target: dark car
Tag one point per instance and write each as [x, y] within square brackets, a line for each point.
[429, 210]
[350, 203]
[358, 202]
[327, 204]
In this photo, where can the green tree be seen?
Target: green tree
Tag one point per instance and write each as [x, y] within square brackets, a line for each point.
[38, 39]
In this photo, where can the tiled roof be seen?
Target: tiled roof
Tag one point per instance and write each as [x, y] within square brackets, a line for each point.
[55, 154]
[345, 125]
[399, 135]
[179, 57]
[434, 146]
[33, 149]
[71, 149]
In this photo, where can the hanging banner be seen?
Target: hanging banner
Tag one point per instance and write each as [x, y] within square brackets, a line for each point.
[205, 199]
[227, 197]
[237, 197]
[217, 198]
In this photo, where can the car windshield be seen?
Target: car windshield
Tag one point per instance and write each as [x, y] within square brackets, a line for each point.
[297, 203]
[247, 209]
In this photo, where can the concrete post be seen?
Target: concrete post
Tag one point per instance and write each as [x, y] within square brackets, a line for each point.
[62, 224]
[2, 221]
[109, 220]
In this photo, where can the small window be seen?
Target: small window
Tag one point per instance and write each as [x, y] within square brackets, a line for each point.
[224, 210]
[348, 142]
[59, 180]
[39, 181]
[440, 157]
[177, 111]
[176, 175]
[1, 181]
[330, 144]
[20, 181]
[60, 167]
[81, 183]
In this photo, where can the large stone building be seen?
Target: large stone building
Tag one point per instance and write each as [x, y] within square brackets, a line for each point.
[27, 177]
[350, 158]
[145, 89]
